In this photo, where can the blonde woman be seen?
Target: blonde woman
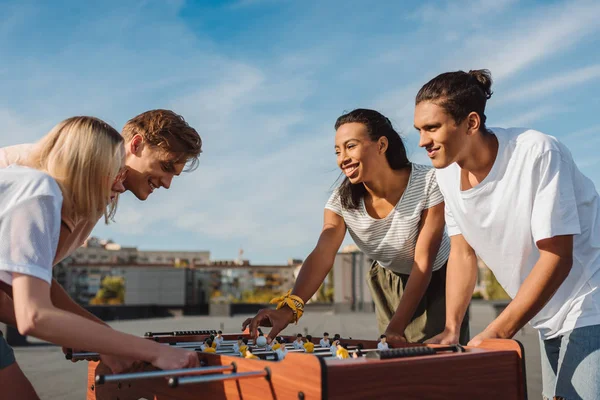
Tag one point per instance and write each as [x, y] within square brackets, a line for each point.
[76, 169]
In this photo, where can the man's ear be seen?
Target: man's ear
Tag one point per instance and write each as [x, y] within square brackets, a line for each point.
[136, 145]
[473, 122]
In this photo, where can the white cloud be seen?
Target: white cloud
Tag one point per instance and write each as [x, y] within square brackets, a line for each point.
[527, 117]
[588, 162]
[553, 84]
[593, 131]
[18, 129]
[457, 13]
[534, 37]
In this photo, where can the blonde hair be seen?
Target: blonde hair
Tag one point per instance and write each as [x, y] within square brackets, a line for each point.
[84, 156]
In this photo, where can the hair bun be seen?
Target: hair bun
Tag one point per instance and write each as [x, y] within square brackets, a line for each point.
[484, 79]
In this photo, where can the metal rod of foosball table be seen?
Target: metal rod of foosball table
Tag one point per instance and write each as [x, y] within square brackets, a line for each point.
[177, 381]
[181, 333]
[101, 379]
[83, 356]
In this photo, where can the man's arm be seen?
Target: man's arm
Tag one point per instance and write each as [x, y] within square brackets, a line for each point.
[550, 271]
[461, 276]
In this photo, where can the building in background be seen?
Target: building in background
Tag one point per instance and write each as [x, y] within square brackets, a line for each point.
[105, 273]
[350, 289]
[352, 293]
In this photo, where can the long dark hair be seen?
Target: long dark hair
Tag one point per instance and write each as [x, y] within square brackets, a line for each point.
[459, 93]
[377, 126]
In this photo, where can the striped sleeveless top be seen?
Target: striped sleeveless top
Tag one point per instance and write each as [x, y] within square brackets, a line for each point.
[391, 240]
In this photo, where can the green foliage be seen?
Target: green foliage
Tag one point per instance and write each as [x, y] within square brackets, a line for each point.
[477, 295]
[493, 289]
[258, 296]
[112, 291]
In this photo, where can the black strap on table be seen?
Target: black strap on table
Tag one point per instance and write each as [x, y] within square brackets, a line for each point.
[413, 352]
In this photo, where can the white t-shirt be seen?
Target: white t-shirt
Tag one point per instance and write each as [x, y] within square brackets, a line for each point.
[30, 208]
[392, 240]
[382, 346]
[324, 343]
[534, 191]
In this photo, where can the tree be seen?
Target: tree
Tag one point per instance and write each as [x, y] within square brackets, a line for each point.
[493, 289]
[112, 291]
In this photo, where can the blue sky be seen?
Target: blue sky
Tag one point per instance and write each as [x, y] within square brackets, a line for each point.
[263, 81]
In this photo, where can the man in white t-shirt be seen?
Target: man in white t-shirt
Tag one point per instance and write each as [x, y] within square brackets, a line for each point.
[516, 199]
[219, 339]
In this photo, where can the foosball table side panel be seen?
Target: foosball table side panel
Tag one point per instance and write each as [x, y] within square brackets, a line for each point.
[298, 376]
[482, 375]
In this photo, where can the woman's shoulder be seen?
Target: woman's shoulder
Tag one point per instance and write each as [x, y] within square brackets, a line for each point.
[422, 174]
[29, 182]
[422, 168]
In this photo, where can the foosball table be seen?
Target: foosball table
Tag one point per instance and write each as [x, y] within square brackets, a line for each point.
[493, 370]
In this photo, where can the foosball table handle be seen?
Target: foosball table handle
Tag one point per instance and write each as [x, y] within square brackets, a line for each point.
[178, 381]
[413, 352]
[181, 333]
[102, 379]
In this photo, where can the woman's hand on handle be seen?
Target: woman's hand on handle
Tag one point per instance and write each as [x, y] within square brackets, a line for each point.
[169, 357]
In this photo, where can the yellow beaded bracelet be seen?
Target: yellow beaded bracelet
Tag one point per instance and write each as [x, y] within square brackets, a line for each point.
[294, 302]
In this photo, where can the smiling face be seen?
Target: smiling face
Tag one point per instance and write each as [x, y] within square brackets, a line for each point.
[443, 139]
[357, 155]
[149, 168]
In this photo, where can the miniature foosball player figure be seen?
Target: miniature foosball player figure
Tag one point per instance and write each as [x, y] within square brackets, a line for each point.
[342, 351]
[213, 342]
[298, 343]
[244, 347]
[208, 346]
[337, 337]
[203, 345]
[358, 353]
[238, 344]
[309, 346]
[333, 347]
[219, 339]
[250, 355]
[275, 345]
[324, 342]
[382, 345]
[281, 352]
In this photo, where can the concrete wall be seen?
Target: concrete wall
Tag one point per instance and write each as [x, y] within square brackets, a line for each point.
[155, 285]
[351, 292]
